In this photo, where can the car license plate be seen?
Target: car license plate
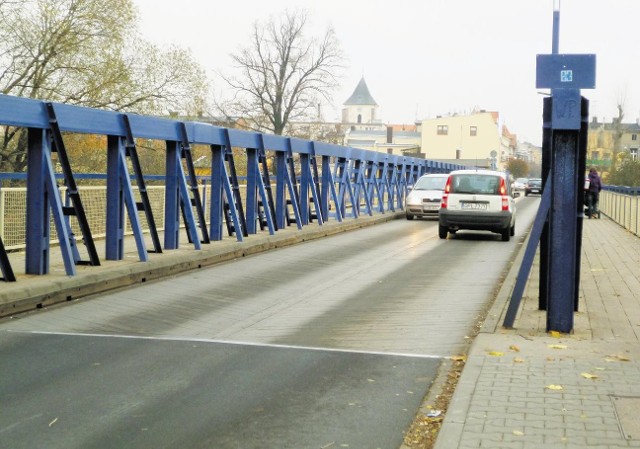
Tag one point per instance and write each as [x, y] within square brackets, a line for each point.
[473, 206]
[431, 206]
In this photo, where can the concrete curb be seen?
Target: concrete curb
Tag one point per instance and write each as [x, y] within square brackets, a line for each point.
[450, 433]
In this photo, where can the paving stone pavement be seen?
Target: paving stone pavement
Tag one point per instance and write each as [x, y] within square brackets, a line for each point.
[525, 388]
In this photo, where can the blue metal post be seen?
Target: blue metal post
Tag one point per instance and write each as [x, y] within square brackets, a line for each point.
[216, 210]
[281, 193]
[556, 27]
[562, 232]
[305, 183]
[171, 198]
[37, 236]
[252, 190]
[115, 202]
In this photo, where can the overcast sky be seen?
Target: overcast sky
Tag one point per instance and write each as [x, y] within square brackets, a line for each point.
[422, 58]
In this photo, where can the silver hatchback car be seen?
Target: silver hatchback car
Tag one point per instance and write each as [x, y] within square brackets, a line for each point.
[478, 200]
[425, 197]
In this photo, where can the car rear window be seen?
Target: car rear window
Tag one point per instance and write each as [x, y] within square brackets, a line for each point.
[431, 183]
[476, 184]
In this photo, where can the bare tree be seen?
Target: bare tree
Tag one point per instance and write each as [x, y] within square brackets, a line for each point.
[618, 130]
[87, 52]
[282, 74]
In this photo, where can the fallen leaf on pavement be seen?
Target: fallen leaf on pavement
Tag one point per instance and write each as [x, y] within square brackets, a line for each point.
[518, 360]
[514, 348]
[557, 346]
[589, 376]
[554, 387]
[496, 353]
[622, 358]
[518, 433]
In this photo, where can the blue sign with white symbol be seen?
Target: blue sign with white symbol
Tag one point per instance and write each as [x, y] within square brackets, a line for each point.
[566, 71]
[566, 76]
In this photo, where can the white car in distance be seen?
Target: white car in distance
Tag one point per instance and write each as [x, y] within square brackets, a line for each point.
[425, 197]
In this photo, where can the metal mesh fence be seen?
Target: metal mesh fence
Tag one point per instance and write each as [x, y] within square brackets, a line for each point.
[13, 213]
[13, 216]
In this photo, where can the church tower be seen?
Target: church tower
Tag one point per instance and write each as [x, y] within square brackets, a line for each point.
[360, 108]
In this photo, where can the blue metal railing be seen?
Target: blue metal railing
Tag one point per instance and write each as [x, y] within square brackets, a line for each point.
[314, 179]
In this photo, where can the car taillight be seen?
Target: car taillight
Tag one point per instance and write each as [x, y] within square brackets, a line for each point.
[445, 195]
[503, 187]
[503, 192]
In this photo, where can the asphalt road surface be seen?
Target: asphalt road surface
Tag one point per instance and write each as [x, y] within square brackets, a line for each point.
[328, 344]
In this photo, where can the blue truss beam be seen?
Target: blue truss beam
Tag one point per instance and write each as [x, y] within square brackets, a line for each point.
[346, 175]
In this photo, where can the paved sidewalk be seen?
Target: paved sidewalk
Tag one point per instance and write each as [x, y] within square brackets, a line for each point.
[525, 388]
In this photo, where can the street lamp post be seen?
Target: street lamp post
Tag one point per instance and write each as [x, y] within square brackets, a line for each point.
[556, 27]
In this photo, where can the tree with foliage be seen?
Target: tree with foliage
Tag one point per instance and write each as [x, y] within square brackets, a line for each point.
[626, 172]
[87, 52]
[282, 74]
[518, 168]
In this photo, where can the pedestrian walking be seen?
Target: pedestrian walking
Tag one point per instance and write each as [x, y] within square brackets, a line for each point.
[593, 193]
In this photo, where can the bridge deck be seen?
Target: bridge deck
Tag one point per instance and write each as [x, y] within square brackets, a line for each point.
[33, 291]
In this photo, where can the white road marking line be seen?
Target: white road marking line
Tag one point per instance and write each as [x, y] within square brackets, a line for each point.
[231, 342]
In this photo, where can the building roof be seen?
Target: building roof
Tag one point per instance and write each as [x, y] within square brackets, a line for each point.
[611, 126]
[361, 96]
[382, 132]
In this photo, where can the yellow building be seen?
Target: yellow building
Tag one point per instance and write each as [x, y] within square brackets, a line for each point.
[476, 136]
[606, 139]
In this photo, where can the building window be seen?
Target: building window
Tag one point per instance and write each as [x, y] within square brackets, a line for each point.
[473, 131]
[443, 130]
[634, 153]
[359, 120]
[634, 137]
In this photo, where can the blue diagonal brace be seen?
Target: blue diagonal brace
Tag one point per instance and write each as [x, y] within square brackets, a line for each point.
[5, 265]
[313, 169]
[293, 191]
[130, 202]
[185, 198]
[308, 187]
[529, 255]
[362, 186]
[344, 178]
[329, 188]
[58, 215]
